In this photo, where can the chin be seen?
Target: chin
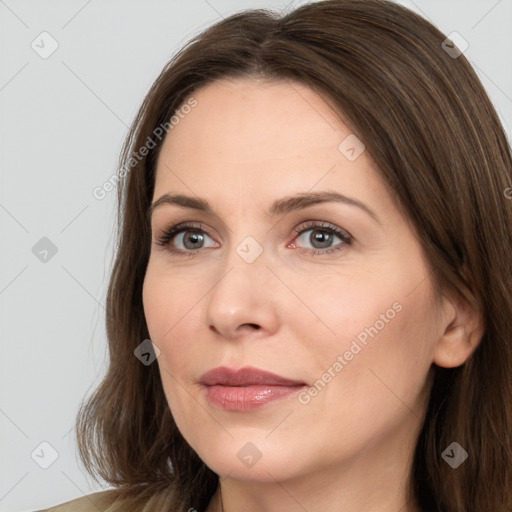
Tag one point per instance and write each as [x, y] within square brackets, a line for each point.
[252, 458]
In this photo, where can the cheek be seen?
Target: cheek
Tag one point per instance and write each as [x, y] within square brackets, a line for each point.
[162, 315]
[371, 378]
[153, 301]
[386, 309]
[369, 328]
[346, 307]
[172, 315]
[166, 300]
[389, 370]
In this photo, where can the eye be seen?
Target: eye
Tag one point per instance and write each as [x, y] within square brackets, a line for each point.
[322, 236]
[186, 238]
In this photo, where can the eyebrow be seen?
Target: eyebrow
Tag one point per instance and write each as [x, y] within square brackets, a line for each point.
[279, 207]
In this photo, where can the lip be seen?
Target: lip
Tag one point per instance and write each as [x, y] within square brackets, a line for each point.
[247, 376]
[247, 388]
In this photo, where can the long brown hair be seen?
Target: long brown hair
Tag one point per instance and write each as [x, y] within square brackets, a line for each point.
[429, 125]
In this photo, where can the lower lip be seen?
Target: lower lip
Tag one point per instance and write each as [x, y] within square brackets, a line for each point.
[247, 398]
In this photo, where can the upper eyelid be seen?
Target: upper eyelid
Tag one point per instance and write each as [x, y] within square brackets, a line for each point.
[302, 227]
[308, 209]
[209, 219]
[307, 224]
[322, 224]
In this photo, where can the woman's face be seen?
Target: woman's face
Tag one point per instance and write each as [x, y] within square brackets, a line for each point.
[277, 275]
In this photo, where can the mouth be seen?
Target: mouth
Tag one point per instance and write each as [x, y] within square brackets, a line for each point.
[246, 389]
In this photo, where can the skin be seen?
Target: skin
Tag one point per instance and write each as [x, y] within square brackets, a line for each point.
[247, 143]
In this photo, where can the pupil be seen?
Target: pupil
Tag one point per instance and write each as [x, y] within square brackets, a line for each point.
[321, 237]
[193, 237]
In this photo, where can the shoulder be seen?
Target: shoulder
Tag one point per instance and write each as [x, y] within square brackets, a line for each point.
[137, 498]
[96, 502]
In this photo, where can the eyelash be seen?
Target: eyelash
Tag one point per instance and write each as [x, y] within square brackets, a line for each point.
[164, 239]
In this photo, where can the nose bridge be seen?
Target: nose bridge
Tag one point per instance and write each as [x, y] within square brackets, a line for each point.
[247, 234]
[244, 264]
[240, 295]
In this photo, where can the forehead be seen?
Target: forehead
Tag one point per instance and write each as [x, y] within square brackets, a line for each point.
[261, 135]
[249, 118]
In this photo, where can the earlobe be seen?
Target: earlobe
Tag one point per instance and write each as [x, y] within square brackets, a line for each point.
[462, 335]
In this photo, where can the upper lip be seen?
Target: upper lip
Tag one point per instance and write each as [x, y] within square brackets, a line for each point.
[247, 376]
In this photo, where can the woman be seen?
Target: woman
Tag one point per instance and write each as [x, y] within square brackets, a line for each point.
[310, 307]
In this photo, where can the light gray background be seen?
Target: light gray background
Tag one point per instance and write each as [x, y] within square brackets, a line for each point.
[63, 120]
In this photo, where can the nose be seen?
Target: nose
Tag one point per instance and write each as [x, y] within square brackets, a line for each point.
[244, 299]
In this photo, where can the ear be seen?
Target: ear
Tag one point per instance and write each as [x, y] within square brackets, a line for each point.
[464, 328]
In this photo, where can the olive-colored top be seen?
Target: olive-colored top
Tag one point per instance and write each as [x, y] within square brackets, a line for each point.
[98, 501]
[147, 499]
